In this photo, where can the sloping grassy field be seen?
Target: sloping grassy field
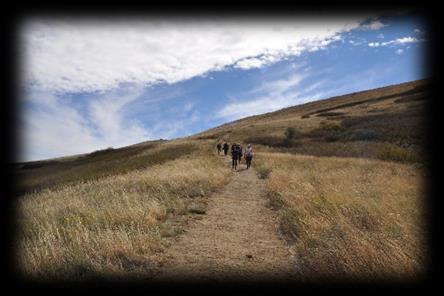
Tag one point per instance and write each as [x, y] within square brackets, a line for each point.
[107, 227]
[348, 217]
[348, 186]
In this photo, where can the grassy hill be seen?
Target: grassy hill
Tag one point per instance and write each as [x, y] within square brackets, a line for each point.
[386, 123]
[347, 184]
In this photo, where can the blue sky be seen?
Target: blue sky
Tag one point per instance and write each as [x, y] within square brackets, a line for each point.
[92, 84]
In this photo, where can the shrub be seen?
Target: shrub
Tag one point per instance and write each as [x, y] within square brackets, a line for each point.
[289, 226]
[275, 201]
[363, 135]
[264, 140]
[325, 114]
[263, 172]
[352, 121]
[99, 152]
[332, 138]
[288, 143]
[290, 133]
[197, 210]
[396, 153]
[330, 131]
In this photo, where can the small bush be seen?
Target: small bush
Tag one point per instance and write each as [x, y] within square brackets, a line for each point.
[275, 201]
[289, 226]
[412, 98]
[332, 138]
[265, 140]
[197, 210]
[288, 143]
[99, 152]
[208, 137]
[396, 153]
[290, 133]
[305, 116]
[32, 166]
[326, 114]
[263, 172]
[361, 218]
[363, 135]
[330, 131]
[352, 121]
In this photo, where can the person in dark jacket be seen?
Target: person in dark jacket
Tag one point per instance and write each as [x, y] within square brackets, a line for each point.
[219, 148]
[240, 153]
[235, 150]
[225, 148]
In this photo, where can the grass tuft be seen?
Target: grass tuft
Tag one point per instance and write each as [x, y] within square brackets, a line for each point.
[263, 172]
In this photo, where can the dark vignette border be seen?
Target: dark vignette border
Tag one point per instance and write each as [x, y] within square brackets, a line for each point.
[13, 15]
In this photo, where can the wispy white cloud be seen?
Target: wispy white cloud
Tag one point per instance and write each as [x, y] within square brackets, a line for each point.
[354, 43]
[373, 25]
[73, 56]
[268, 96]
[106, 113]
[398, 41]
[250, 63]
[311, 85]
[188, 106]
[54, 128]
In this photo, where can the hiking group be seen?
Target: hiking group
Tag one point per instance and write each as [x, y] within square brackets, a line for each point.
[236, 153]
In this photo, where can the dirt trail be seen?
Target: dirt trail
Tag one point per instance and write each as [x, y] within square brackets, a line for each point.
[236, 239]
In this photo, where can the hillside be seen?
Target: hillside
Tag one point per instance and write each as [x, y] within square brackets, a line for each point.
[386, 123]
[345, 191]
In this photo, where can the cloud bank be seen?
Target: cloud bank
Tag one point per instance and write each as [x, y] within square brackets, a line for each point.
[86, 56]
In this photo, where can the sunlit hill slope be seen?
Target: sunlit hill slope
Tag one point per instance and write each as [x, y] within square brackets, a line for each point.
[344, 175]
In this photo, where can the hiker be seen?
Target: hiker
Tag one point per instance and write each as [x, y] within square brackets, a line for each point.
[240, 153]
[248, 155]
[219, 148]
[225, 147]
[234, 155]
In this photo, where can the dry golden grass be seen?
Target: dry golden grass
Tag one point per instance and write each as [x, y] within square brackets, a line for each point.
[108, 227]
[35, 176]
[346, 217]
[104, 215]
[377, 101]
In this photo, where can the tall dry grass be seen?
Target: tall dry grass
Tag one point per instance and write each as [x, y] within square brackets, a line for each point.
[348, 218]
[99, 164]
[109, 227]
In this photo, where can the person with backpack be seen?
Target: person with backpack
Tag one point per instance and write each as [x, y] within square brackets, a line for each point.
[240, 153]
[234, 155]
[225, 148]
[219, 148]
[248, 155]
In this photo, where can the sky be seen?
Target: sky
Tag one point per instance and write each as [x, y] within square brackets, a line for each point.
[89, 84]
